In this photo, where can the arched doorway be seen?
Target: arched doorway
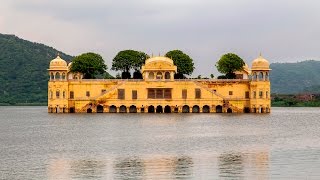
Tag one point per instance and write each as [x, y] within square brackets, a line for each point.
[185, 109]
[206, 109]
[159, 109]
[167, 75]
[229, 110]
[72, 110]
[142, 110]
[113, 109]
[195, 109]
[167, 109]
[254, 110]
[218, 109]
[262, 110]
[176, 109]
[57, 110]
[89, 110]
[159, 75]
[246, 110]
[151, 109]
[123, 109]
[132, 109]
[99, 109]
[151, 75]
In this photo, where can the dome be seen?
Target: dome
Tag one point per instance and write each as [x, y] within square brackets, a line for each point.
[159, 63]
[58, 64]
[260, 64]
[159, 59]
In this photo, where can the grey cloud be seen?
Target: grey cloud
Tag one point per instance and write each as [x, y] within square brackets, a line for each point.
[281, 29]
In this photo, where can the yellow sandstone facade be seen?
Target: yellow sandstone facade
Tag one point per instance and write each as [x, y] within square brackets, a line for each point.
[158, 91]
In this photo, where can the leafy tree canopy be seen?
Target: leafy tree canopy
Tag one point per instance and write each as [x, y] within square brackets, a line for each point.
[127, 60]
[229, 63]
[90, 64]
[184, 63]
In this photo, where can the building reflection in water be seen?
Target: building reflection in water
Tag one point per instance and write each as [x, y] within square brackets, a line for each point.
[87, 169]
[228, 165]
[153, 167]
[253, 165]
[183, 167]
[132, 168]
[76, 169]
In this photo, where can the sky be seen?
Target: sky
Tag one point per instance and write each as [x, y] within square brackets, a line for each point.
[282, 30]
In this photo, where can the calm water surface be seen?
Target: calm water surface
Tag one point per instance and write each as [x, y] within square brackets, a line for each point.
[282, 145]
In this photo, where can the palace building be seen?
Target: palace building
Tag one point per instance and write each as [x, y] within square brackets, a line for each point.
[158, 91]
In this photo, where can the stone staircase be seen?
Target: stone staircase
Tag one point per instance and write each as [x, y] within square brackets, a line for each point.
[208, 89]
[93, 103]
[225, 100]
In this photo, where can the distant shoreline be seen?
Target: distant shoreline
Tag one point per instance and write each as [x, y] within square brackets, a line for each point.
[24, 104]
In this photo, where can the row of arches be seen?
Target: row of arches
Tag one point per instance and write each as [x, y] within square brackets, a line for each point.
[159, 75]
[260, 76]
[57, 109]
[64, 76]
[260, 109]
[158, 109]
[58, 76]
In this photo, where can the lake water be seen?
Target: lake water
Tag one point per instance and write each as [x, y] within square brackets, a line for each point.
[282, 145]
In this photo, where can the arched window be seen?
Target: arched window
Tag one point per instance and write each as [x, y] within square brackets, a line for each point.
[63, 76]
[52, 76]
[51, 95]
[167, 75]
[267, 76]
[57, 94]
[261, 76]
[151, 75]
[64, 94]
[159, 75]
[58, 75]
[254, 76]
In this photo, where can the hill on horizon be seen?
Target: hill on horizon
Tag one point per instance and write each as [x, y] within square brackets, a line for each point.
[293, 78]
[24, 76]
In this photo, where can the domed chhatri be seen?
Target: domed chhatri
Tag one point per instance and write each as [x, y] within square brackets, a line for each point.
[157, 68]
[260, 64]
[58, 64]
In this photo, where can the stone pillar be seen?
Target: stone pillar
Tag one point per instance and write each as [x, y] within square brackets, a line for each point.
[172, 76]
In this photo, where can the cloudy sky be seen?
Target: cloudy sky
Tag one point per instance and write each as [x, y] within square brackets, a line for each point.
[282, 30]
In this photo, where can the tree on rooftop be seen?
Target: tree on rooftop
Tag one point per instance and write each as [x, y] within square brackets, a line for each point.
[89, 64]
[228, 64]
[184, 63]
[129, 60]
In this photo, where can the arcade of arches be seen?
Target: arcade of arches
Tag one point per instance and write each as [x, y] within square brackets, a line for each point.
[163, 109]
